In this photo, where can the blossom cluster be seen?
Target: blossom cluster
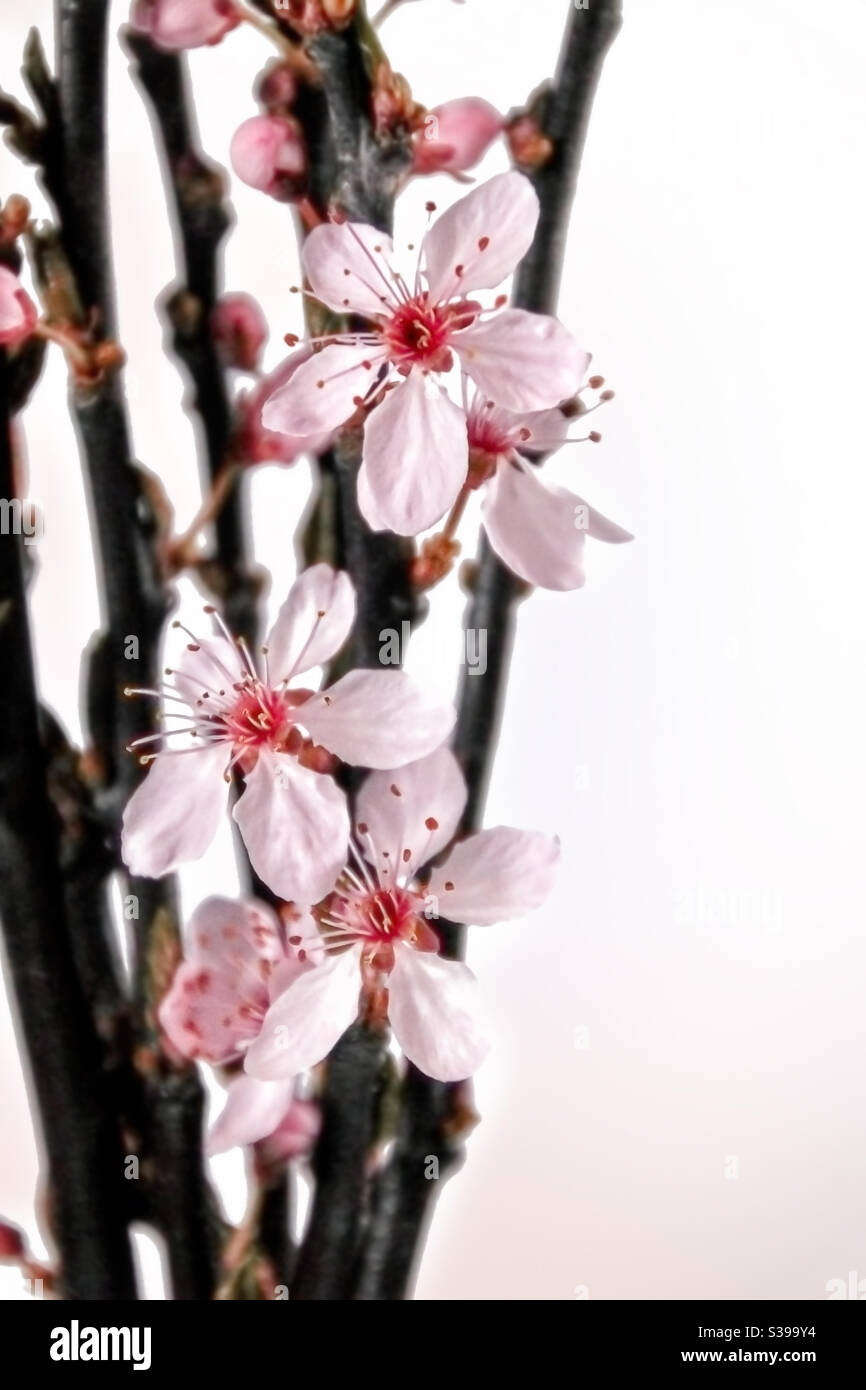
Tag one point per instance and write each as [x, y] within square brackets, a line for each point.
[452, 392]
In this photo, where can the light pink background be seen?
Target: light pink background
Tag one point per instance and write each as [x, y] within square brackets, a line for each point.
[674, 1107]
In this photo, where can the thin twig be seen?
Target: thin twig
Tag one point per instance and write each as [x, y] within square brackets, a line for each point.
[202, 216]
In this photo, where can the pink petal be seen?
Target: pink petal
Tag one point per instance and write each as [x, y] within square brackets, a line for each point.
[416, 456]
[214, 665]
[295, 826]
[412, 810]
[296, 1133]
[219, 995]
[377, 719]
[323, 391]
[522, 361]
[538, 431]
[253, 1110]
[256, 444]
[495, 876]
[433, 1011]
[486, 233]
[536, 528]
[173, 816]
[302, 1025]
[332, 250]
[312, 624]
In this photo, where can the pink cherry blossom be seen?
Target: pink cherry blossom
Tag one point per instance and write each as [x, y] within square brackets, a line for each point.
[174, 25]
[240, 958]
[415, 444]
[255, 444]
[285, 740]
[268, 153]
[538, 529]
[455, 136]
[239, 329]
[18, 314]
[376, 926]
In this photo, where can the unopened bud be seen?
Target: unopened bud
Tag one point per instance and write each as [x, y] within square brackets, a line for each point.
[267, 152]
[12, 1247]
[529, 146]
[239, 331]
[174, 25]
[455, 136]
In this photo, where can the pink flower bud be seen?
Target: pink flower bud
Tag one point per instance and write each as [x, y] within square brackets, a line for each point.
[277, 87]
[454, 136]
[177, 24]
[267, 152]
[295, 1135]
[12, 1242]
[239, 331]
[18, 313]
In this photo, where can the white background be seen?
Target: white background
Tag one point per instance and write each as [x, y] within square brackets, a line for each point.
[691, 723]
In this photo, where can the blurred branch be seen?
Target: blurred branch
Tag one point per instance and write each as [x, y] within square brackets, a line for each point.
[76, 277]
[431, 1122]
[202, 217]
[88, 1201]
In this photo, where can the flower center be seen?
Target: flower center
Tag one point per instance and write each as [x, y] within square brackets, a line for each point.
[417, 334]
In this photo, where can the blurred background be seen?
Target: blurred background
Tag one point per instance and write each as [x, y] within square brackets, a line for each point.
[674, 1104]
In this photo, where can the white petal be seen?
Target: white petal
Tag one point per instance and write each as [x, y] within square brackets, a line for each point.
[486, 233]
[412, 810]
[539, 530]
[252, 1111]
[522, 361]
[495, 876]
[301, 1027]
[312, 624]
[416, 456]
[211, 665]
[377, 719]
[332, 250]
[295, 826]
[433, 1011]
[324, 391]
[173, 816]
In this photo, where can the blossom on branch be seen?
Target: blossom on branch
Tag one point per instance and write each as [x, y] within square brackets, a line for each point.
[415, 457]
[285, 740]
[537, 528]
[240, 958]
[382, 953]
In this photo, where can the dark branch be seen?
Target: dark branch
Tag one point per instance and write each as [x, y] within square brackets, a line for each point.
[431, 1117]
[85, 1162]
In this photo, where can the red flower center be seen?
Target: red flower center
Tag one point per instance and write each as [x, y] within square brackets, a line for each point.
[417, 335]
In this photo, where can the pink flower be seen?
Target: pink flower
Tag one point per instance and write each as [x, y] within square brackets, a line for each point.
[240, 958]
[18, 314]
[268, 153]
[239, 330]
[292, 815]
[415, 444]
[455, 136]
[538, 529]
[177, 24]
[255, 444]
[377, 934]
